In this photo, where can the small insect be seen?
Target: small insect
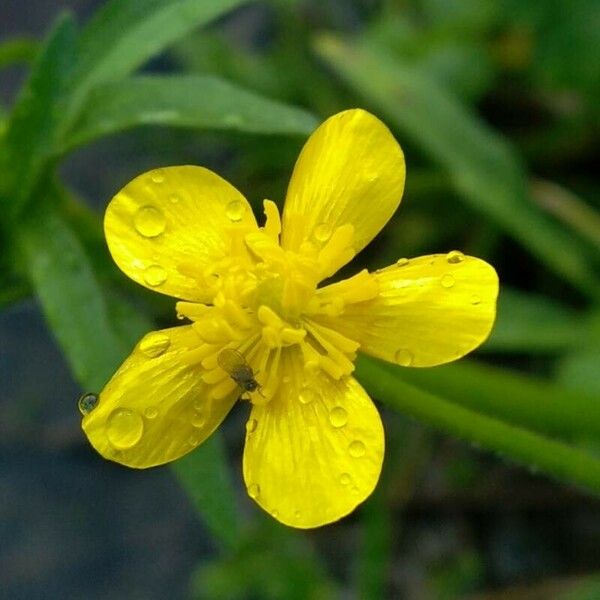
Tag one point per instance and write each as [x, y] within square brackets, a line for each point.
[234, 363]
[87, 402]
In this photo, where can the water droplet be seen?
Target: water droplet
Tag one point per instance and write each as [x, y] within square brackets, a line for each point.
[475, 300]
[199, 405]
[297, 514]
[157, 177]
[198, 420]
[402, 262]
[87, 403]
[275, 513]
[235, 210]
[371, 177]
[345, 478]
[124, 428]
[155, 275]
[403, 357]
[323, 232]
[455, 257]
[447, 281]
[286, 379]
[174, 198]
[253, 490]
[194, 440]
[338, 416]
[154, 344]
[355, 490]
[151, 412]
[251, 425]
[149, 221]
[307, 395]
[357, 449]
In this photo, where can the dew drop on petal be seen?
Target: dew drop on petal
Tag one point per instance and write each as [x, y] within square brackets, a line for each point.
[275, 513]
[297, 514]
[199, 405]
[124, 428]
[323, 232]
[402, 262]
[307, 395]
[447, 281]
[454, 257]
[345, 478]
[157, 177]
[151, 412]
[154, 344]
[235, 210]
[475, 300]
[194, 440]
[356, 449]
[155, 275]
[149, 221]
[403, 357]
[198, 420]
[338, 416]
[251, 425]
[87, 402]
[174, 198]
[253, 490]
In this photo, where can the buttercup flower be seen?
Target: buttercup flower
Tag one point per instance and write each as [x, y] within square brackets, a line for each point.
[314, 440]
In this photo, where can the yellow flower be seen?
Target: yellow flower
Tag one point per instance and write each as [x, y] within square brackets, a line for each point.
[314, 440]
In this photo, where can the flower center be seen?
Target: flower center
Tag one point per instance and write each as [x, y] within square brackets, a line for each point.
[266, 306]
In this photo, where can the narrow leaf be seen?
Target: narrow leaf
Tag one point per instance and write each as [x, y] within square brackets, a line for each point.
[32, 128]
[200, 102]
[537, 452]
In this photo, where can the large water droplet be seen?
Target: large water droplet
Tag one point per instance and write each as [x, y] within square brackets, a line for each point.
[403, 357]
[87, 403]
[307, 395]
[454, 257]
[157, 177]
[253, 490]
[338, 416]
[235, 210]
[124, 428]
[199, 419]
[323, 232]
[402, 262]
[447, 281]
[357, 449]
[151, 412]
[154, 344]
[149, 221]
[345, 478]
[155, 275]
[251, 425]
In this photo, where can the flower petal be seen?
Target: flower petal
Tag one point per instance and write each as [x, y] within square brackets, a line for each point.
[313, 455]
[156, 408]
[167, 226]
[429, 311]
[350, 172]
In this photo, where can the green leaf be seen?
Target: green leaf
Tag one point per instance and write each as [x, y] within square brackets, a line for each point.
[71, 298]
[202, 102]
[523, 400]
[208, 484]
[558, 459]
[483, 167]
[32, 128]
[125, 34]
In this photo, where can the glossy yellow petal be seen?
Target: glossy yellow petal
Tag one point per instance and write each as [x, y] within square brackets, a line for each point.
[168, 227]
[156, 408]
[313, 455]
[350, 172]
[429, 311]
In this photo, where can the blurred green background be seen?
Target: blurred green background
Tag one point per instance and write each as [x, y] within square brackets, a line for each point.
[492, 475]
